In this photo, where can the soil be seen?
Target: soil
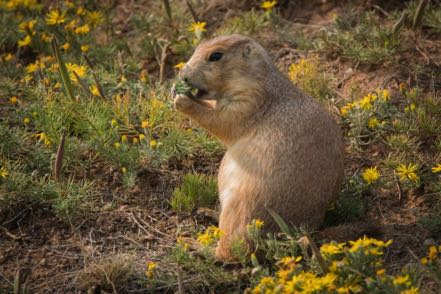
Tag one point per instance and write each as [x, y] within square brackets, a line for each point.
[50, 253]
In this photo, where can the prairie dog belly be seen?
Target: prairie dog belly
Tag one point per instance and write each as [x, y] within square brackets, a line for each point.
[231, 177]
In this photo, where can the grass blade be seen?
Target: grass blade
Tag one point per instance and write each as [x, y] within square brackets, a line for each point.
[59, 157]
[95, 77]
[168, 9]
[284, 227]
[63, 70]
[419, 13]
[192, 12]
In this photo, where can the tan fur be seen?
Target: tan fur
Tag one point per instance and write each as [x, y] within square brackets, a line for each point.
[284, 150]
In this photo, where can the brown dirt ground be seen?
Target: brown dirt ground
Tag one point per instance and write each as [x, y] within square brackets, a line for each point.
[50, 253]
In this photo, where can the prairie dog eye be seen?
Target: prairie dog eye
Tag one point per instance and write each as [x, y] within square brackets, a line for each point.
[215, 56]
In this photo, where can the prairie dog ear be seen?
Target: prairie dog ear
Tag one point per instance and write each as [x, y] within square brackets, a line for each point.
[247, 50]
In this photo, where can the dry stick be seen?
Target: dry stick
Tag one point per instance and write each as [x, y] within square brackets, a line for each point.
[162, 64]
[193, 13]
[179, 277]
[167, 9]
[59, 157]
[17, 282]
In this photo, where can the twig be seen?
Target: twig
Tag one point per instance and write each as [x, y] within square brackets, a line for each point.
[139, 225]
[179, 277]
[192, 12]
[10, 235]
[177, 284]
[154, 229]
[316, 253]
[162, 64]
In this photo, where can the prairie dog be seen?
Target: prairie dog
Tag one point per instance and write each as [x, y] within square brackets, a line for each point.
[284, 150]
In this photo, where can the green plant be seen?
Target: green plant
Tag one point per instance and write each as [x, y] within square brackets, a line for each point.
[196, 190]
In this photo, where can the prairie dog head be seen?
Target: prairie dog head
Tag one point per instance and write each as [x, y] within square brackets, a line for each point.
[227, 68]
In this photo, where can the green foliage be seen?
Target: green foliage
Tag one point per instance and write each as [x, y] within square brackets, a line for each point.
[195, 191]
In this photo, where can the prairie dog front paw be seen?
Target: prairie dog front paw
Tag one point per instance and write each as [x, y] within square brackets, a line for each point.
[183, 102]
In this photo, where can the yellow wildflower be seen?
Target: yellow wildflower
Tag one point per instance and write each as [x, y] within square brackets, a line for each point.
[381, 272]
[365, 103]
[80, 11]
[33, 67]
[424, 261]
[117, 145]
[433, 253]
[26, 120]
[402, 280]
[373, 123]
[94, 17]
[141, 137]
[180, 65]
[198, 27]
[407, 172]
[94, 90]
[71, 25]
[371, 175]
[13, 100]
[145, 124]
[114, 122]
[24, 42]
[436, 168]
[345, 109]
[332, 248]
[27, 26]
[384, 94]
[45, 37]
[268, 5]
[143, 76]
[412, 290]
[124, 170]
[55, 17]
[42, 137]
[80, 70]
[9, 57]
[150, 269]
[82, 30]
[153, 144]
[84, 48]
[410, 107]
[135, 140]
[124, 138]
[3, 172]
[65, 46]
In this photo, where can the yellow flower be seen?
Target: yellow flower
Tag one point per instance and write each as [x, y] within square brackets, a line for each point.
[153, 144]
[433, 253]
[27, 26]
[26, 120]
[365, 103]
[345, 109]
[94, 17]
[381, 272]
[150, 269]
[124, 138]
[384, 94]
[80, 70]
[402, 280]
[24, 42]
[180, 65]
[373, 123]
[198, 27]
[141, 137]
[84, 48]
[410, 107]
[33, 67]
[412, 290]
[54, 17]
[114, 122]
[117, 145]
[371, 175]
[65, 46]
[424, 261]
[332, 248]
[13, 100]
[124, 170]
[268, 5]
[71, 25]
[143, 76]
[135, 140]
[80, 11]
[9, 57]
[45, 37]
[3, 172]
[145, 124]
[94, 90]
[42, 137]
[407, 172]
[436, 168]
[82, 30]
